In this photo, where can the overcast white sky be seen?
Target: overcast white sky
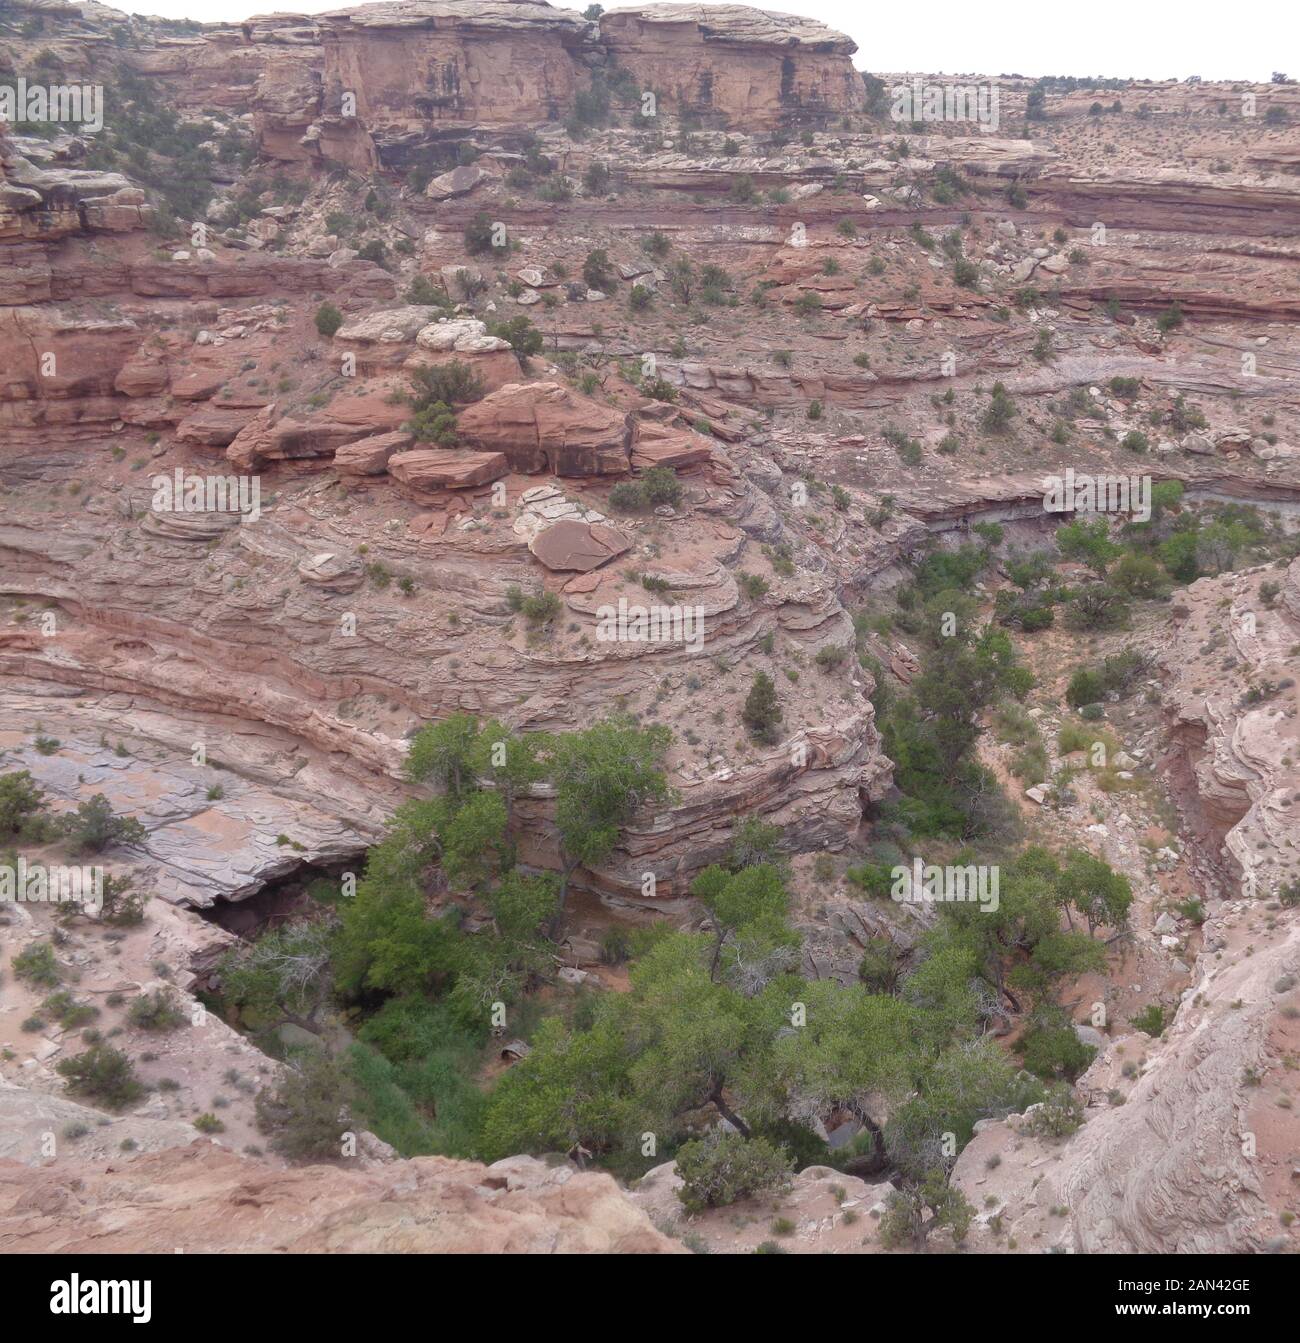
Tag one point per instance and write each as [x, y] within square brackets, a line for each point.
[1157, 39]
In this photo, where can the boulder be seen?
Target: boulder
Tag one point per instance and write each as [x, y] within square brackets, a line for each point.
[369, 456]
[458, 182]
[213, 427]
[572, 546]
[542, 426]
[391, 327]
[332, 572]
[447, 468]
[665, 445]
[141, 377]
[464, 335]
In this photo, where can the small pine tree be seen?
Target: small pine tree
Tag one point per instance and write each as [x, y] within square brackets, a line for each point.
[762, 711]
[328, 319]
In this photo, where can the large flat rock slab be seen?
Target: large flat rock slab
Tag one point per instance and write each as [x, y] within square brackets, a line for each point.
[571, 546]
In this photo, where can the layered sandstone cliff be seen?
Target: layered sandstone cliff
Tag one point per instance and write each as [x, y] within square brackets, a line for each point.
[745, 67]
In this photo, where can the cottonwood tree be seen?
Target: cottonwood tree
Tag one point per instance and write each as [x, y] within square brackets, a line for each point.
[283, 977]
[603, 776]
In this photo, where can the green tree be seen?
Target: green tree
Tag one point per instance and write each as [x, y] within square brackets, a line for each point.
[22, 800]
[762, 710]
[284, 976]
[597, 271]
[444, 753]
[602, 776]
[307, 1110]
[1092, 888]
[748, 909]
[1089, 543]
[904, 1223]
[93, 827]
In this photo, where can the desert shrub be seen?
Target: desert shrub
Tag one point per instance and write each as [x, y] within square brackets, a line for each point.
[1085, 688]
[661, 486]
[1058, 1116]
[481, 236]
[722, 1168]
[1051, 1049]
[595, 182]
[627, 497]
[524, 338]
[424, 293]
[37, 965]
[156, 1011]
[597, 271]
[22, 801]
[93, 827]
[306, 1112]
[328, 319]
[453, 383]
[67, 1011]
[1000, 411]
[1150, 1021]
[102, 1074]
[831, 657]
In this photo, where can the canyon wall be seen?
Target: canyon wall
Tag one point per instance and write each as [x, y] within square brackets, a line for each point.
[419, 63]
[743, 66]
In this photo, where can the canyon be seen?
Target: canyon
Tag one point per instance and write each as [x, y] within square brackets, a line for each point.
[437, 176]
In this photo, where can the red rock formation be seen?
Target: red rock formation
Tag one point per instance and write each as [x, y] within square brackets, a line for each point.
[546, 426]
[412, 64]
[747, 68]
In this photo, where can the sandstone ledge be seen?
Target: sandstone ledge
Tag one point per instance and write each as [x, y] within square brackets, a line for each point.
[202, 1199]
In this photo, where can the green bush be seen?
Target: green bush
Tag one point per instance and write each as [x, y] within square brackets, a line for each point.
[22, 800]
[424, 293]
[661, 486]
[480, 236]
[328, 319]
[1051, 1049]
[102, 1074]
[37, 965]
[722, 1168]
[307, 1110]
[627, 497]
[1085, 688]
[524, 338]
[455, 383]
[156, 1011]
[541, 608]
[93, 827]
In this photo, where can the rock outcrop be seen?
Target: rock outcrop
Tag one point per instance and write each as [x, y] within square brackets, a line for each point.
[742, 67]
[202, 1199]
[544, 426]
